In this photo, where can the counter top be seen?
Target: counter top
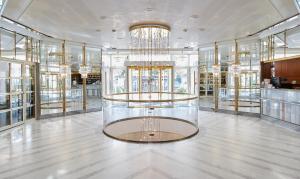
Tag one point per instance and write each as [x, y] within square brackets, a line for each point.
[286, 95]
[281, 89]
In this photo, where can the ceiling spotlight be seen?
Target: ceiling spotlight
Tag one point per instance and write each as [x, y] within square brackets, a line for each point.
[149, 9]
[113, 30]
[194, 16]
[103, 17]
[184, 30]
[201, 29]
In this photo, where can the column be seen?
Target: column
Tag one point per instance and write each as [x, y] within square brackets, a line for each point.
[84, 95]
[64, 80]
[236, 79]
[216, 80]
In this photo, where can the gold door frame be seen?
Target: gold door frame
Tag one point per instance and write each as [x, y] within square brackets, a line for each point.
[149, 68]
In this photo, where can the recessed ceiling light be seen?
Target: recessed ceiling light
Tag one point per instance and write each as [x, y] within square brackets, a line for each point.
[103, 17]
[149, 9]
[113, 30]
[201, 29]
[195, 16]
[184, 30]
[98, 30]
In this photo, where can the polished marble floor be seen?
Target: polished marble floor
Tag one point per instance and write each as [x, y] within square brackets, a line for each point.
[227, 146]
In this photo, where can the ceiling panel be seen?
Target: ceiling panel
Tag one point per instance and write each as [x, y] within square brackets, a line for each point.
[92, 21]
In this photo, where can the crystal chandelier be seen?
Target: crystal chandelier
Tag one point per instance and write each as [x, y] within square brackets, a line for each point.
[149, 39]
[84, 71]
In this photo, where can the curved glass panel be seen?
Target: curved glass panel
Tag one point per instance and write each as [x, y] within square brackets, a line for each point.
[150, 101]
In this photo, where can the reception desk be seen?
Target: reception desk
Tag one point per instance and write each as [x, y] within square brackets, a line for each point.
[282, 104]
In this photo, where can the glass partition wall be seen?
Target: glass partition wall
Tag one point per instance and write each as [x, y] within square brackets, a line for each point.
[51, 89]
[64, 92]
[74, 89]
[93, 83]
[143, 100]
[222, 87]
[17, 79]
[206, 81]
[226, 57]
[249, 85]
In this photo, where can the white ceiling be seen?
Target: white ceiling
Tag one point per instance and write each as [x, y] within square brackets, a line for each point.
[205, 20]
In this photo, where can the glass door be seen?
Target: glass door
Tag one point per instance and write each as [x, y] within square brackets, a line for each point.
[133, 80]
[149, 79]
[145, 80]
[4, 95]
[166, 82]
[155, 80]
[17, 93]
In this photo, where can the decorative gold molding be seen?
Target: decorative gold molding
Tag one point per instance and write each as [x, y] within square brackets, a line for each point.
[149, 25]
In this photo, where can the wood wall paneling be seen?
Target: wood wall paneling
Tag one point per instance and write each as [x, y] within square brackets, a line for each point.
[289, 69]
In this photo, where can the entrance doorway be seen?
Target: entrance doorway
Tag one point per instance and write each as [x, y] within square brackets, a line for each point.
[150, 79]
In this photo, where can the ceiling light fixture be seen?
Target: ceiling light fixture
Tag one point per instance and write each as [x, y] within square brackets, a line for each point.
[150, 38]
[195, 16]
[103, 17]
[201, 29]
[149, 9]
[84, 71]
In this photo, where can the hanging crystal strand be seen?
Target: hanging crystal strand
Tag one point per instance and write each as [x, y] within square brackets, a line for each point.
[149, 42]
[159, 53]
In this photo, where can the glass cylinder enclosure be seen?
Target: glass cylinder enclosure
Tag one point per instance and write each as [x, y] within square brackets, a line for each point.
[150, 101]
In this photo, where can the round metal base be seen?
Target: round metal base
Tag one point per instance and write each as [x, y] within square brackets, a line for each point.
[150, 129]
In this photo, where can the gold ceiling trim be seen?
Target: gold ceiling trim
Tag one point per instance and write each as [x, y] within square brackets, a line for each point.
[149, 25]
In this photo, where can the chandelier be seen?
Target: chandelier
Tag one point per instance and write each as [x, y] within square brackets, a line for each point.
[149, 39]
[84, 71]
